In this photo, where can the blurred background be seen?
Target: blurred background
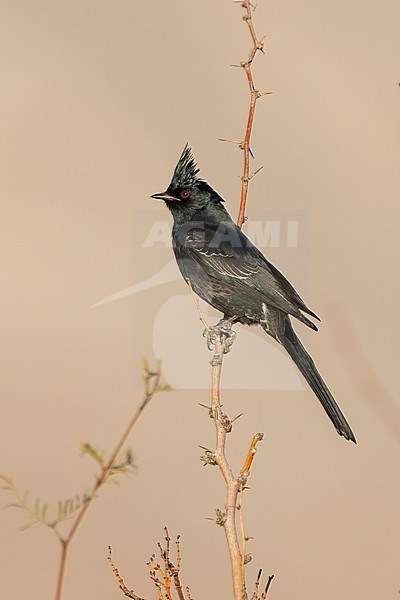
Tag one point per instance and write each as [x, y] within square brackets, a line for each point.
[98, 99]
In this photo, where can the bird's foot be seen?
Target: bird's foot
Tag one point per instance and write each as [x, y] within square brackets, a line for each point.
[221, 335]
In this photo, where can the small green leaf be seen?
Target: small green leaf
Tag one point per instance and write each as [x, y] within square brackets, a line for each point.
[87, 448]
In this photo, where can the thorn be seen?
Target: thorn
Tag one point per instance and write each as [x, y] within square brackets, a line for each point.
[209, 409]
[230, 141]
[238, 417]
[251, 152]
[237, 65]
[260, 45]
[255, 172]
[265, 93]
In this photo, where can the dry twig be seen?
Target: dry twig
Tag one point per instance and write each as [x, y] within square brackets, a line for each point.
[258, 45]
[254, 96]
[220, 340]
[263, 596]
[244, 475]
[222, 427]
[162, 577]
[127, 592]
[234, 486]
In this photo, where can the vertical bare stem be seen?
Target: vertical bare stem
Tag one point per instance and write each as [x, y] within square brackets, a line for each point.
[222, 426]
[254, 96]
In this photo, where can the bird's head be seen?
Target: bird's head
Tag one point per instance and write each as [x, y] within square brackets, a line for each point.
[187, 190]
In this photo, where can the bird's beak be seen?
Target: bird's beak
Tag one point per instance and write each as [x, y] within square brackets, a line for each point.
[164, 196]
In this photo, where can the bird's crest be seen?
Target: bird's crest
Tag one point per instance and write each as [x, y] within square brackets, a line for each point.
[185, 174]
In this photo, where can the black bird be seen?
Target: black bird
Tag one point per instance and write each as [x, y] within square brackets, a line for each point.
[230, 273]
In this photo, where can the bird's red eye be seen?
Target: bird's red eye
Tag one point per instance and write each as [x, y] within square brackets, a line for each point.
[185, 193]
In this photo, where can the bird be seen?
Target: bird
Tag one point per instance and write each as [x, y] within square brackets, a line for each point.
[229, 272]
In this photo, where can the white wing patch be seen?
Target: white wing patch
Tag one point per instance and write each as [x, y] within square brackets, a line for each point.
[232, 269]
[221, 258]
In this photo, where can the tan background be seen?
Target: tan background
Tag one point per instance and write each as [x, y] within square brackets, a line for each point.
[98, 99]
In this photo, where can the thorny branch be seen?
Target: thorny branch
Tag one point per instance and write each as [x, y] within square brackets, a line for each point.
[220, 339]
[258, 45]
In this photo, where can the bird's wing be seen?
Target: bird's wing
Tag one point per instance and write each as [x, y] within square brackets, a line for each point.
[223, 251]
[219, 256]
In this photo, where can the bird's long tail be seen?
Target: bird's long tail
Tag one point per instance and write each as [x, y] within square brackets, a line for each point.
[305, 363]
